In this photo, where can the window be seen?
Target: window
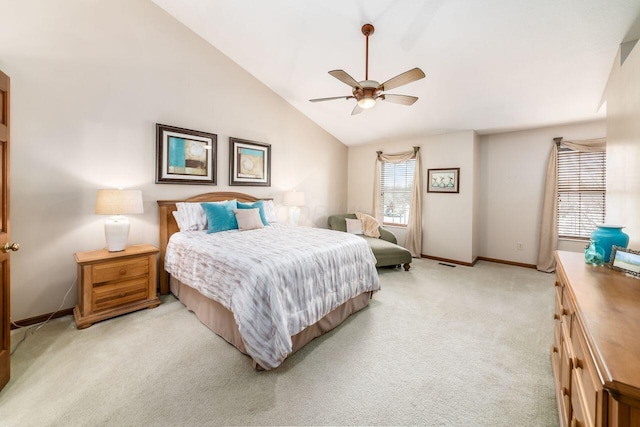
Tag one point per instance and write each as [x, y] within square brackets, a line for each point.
[581, 192]
[396, 181]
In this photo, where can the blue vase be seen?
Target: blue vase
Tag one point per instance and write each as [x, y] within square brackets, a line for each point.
[606, 236]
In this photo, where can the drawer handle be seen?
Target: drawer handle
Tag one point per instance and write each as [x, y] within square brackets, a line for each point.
[577, 363]
[565, 391]
[123, 271]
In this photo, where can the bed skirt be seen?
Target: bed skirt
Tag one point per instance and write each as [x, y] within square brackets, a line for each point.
[220, 320]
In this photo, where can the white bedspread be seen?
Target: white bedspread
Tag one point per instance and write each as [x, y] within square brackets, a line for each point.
[276, 280]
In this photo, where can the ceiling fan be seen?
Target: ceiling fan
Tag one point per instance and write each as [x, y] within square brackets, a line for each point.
[367, 92]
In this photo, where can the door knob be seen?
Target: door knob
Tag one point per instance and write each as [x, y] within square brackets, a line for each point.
[9, 247]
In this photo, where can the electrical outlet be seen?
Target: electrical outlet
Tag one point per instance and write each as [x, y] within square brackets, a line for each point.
[520, 246]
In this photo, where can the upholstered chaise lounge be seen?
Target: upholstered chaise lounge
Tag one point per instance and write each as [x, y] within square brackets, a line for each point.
[385, 248]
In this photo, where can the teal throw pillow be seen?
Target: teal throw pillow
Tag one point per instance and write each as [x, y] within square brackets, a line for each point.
[254, 205]
[220, 216]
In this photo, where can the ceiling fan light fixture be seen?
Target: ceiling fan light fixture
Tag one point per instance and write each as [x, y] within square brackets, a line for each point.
[367, 92]
[366, 102]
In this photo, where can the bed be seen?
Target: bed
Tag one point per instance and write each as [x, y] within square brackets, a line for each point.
[267, 291]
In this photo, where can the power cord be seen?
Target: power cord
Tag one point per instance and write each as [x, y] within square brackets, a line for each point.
[37, 326]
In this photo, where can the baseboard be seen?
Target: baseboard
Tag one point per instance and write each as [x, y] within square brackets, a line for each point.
[480, 258]
[39, 319]
[501, 261]
[451, 261]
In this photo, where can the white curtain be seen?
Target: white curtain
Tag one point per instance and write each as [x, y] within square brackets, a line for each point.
[413, 240]
[549, 225]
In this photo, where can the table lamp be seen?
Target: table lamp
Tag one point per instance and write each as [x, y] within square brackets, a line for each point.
[117, 203]
[294, 199]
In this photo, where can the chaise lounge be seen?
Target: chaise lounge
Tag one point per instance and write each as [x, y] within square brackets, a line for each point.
[385, 248]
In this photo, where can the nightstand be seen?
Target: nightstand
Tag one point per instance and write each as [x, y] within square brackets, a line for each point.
[115, 283]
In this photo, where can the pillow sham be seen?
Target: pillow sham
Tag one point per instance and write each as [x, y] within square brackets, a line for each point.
[248, 219]
[220, 216]
[269, 211]
[259, 205]
[190, 216]
[354, 226]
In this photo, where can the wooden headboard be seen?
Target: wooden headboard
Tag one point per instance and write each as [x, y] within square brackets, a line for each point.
[168, 224]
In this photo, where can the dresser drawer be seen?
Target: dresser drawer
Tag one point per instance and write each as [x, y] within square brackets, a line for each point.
[118, 270]
[578, 418]
[586, 376]
[115, 294]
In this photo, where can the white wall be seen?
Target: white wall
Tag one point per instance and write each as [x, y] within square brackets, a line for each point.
[512, 174]
[623, 146]
[448, 226]
[89, 81]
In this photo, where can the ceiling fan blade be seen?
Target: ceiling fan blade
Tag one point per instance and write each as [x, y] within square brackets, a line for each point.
[345, 78]
[402, 79]
[357, 110]
[399, 99]
[331, 99]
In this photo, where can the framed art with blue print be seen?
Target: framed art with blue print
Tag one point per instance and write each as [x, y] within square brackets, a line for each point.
[185, 156]
[249, 163]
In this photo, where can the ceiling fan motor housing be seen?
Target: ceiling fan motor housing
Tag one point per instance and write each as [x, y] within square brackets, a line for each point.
[367, 89]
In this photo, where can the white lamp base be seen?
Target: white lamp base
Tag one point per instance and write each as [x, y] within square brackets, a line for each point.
[294, 215]
[116, 231]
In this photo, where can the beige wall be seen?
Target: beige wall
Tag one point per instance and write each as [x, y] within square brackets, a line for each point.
[448, 224]
[623, 146]
[513, 167]
[89, 81]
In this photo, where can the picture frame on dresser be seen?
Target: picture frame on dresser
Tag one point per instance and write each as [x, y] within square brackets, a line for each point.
[625, 260]
[249, 163]
[185, 156]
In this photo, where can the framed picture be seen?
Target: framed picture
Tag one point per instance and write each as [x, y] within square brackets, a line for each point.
[249, 163]
[443, 180]
[185, 156]
[625, 260]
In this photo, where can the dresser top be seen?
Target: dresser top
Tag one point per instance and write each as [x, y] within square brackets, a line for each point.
[608, 309]
[103, 254]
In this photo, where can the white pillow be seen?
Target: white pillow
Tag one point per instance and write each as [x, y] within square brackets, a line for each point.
[248, 219]
[191, 217]
[269, 211]
[178, 217]
[354, 226]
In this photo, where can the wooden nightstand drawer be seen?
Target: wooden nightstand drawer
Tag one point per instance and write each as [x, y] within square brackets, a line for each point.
[109, 271]
[113, 295]
[115, 283]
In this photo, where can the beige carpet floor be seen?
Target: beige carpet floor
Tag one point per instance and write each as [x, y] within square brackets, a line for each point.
[438, 346]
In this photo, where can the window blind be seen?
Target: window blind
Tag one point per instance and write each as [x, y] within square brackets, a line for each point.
[396, 181]
[581, 192]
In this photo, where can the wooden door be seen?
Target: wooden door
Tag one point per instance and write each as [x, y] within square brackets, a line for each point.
[5, 246]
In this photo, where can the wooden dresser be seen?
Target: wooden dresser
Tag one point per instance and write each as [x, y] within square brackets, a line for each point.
[114, 283]
[596, 348]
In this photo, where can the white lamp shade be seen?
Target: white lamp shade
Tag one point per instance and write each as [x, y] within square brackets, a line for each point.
[294, 198]
[118, 202]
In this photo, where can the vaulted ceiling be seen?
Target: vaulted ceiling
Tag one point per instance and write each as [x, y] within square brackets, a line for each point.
[491, 65]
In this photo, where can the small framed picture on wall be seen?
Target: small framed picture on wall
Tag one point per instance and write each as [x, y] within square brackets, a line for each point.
[443, 180]
[249, 163]
[185, 156]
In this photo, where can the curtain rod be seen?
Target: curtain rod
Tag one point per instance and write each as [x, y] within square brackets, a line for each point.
[558, 140]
